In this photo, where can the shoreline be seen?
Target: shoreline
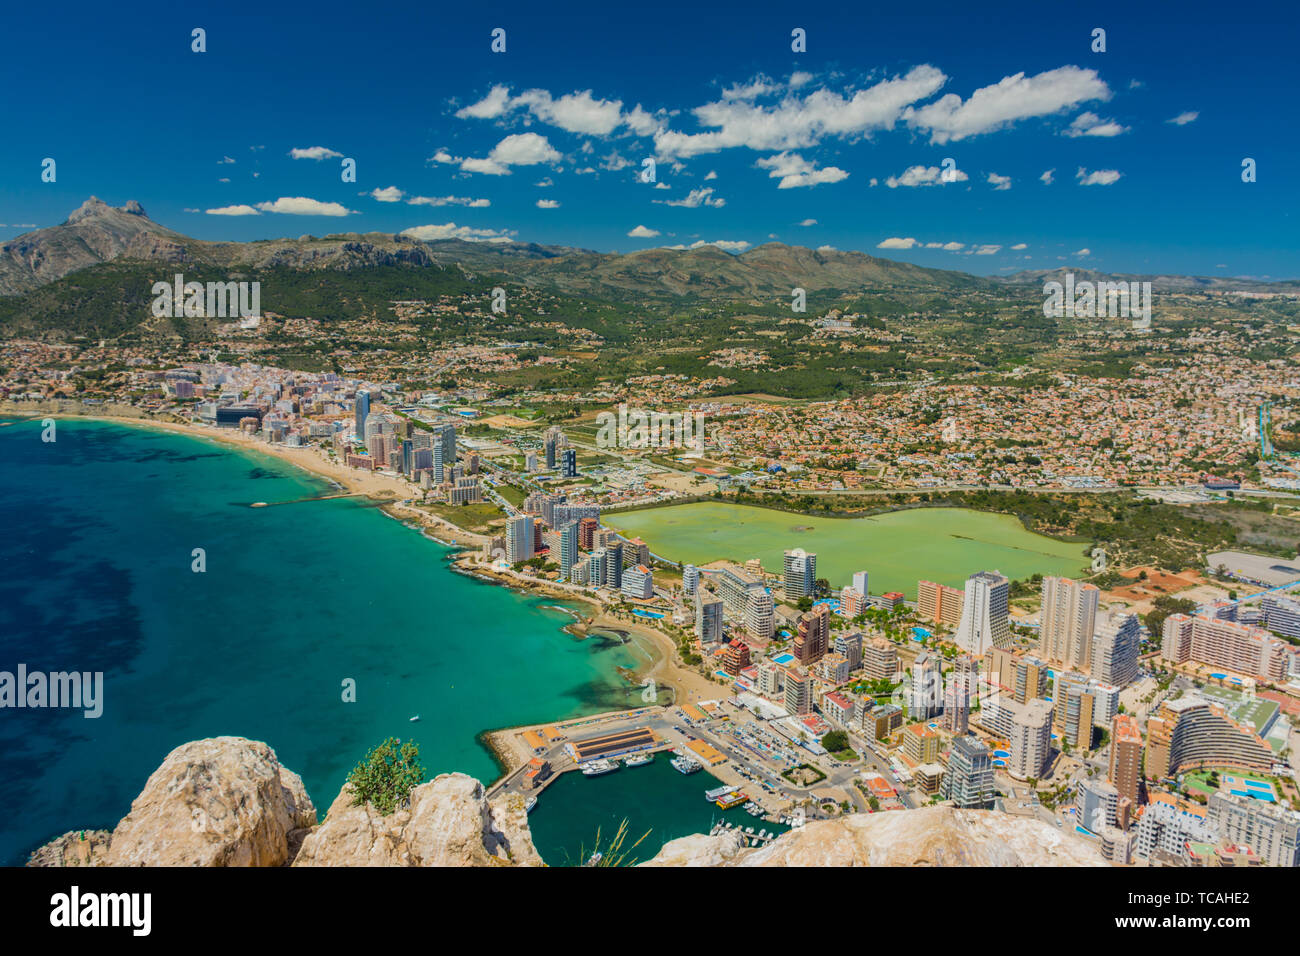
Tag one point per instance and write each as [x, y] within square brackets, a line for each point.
[392, 494]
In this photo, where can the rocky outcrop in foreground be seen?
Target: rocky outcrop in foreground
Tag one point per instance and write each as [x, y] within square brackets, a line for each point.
[226, 801]
[932, 836]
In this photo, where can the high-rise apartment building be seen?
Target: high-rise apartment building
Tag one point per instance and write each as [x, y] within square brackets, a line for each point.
[800, 577]
[798, 691]
[968, 779]
[1116, 649]
[519, 538]
[708, 616]
[880, 659]
[925, 690]
[939, 603]
[552, 442]
[984, 618]
[362, 413]
[813, 637]
[960, 689]
[1030, 738]
[1271, 830]
[1067, 621]
[568, 548]
[1074, 704]
[1125, 770]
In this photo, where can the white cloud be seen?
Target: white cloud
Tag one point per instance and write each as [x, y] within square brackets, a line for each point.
[544, 183]
[577, 112]
[1020, 245]
[387, 194]
[808, 222]
[946, 246]
[1098, 177]
[726, 245]
[696, 198]
[548, 204]
[795, 171]
[449, 230]
[895, 242]
[302, 206]
[1011, 99]
[827, 249]
[1182, 119]
[442, 156]
[985, 250]
[449, 201]
[490, 107]
[924, 176]
[1083, 253]
[1046, 178]
[518, 149]
[314, 152]
[999, 182]
[641, 232]
[242, 210]
[800, 121]
[1090, 124]
[711, 175]
[224, 160]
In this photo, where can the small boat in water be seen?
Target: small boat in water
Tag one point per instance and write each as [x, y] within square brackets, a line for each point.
[594, 768]
[684, 764]
[415, 718]
[717, 793]
[638, 760]
[529, 804]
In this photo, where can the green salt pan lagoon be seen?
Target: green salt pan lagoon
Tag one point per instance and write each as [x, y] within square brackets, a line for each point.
[946, 545]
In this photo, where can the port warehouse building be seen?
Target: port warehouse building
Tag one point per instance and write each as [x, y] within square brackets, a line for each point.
[611, 745]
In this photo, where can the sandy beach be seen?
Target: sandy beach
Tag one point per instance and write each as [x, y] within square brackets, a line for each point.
[391, 490]
[662, 666]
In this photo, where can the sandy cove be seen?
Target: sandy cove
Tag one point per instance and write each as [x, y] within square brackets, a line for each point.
[663, 667]
[505, 744]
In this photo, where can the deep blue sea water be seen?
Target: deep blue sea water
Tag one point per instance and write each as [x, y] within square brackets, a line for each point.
[96, 534]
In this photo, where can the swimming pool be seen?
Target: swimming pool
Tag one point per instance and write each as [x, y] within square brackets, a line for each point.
[783, 659]
[920, 634]
[999, 762]
[641, 612]
[1267, 797]
[1001, 753]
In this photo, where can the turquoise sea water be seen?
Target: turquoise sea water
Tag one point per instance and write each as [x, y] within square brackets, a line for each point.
[654, 798]
[98, 531]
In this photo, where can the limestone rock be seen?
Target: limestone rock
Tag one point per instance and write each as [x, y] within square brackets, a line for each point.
[931, 836]
[77, 848]
[447, 822]
[224, 801]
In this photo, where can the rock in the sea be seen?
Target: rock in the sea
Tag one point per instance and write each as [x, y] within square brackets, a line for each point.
[223, 801]
[931, 836]
[448, 822]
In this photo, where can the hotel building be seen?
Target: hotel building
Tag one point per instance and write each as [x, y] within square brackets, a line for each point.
[1239, 648]
[1193, 732]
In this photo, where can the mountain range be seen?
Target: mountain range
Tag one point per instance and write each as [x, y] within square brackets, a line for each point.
[98, 233]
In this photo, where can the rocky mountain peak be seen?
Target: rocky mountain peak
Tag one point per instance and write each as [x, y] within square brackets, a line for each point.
[94, 208]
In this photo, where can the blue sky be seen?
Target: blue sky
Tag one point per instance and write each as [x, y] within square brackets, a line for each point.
[841, 145]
